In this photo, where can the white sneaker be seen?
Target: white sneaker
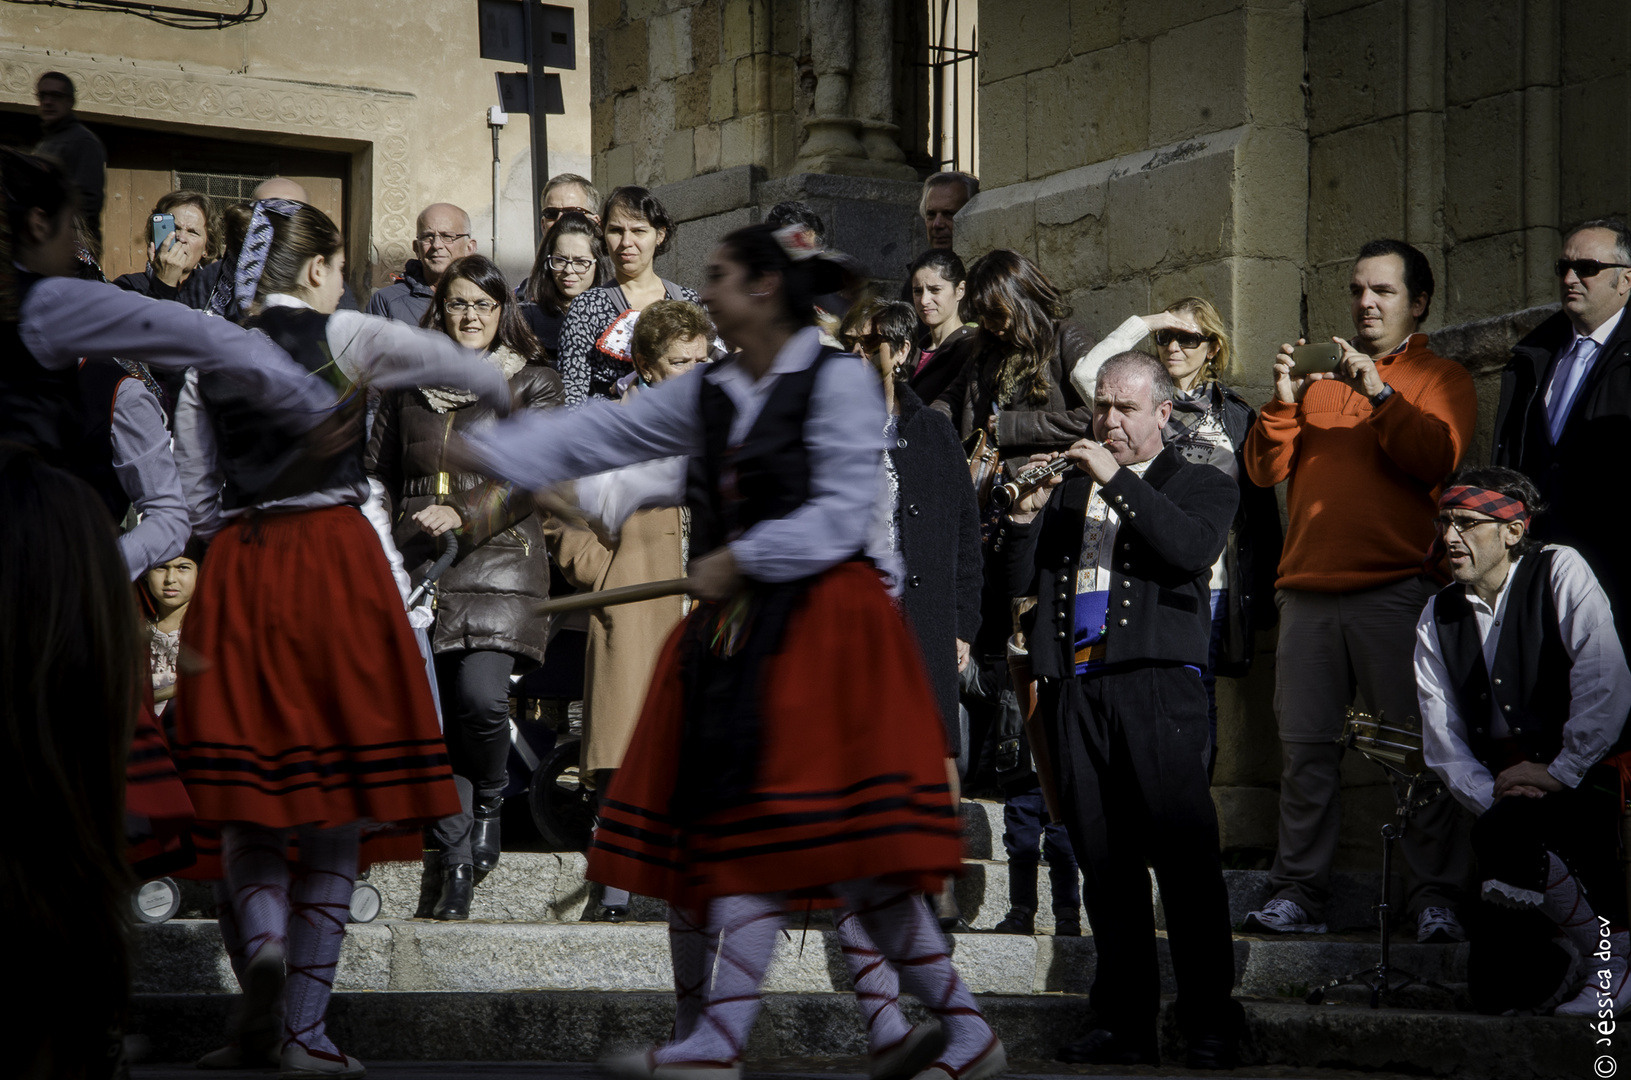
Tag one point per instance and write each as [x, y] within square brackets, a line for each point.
[299, 1062]
[1607, 985]
[1281, 916]
[1438, 925]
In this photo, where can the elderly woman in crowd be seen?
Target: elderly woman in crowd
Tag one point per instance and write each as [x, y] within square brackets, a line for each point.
[632, 546]
[485, 628]
[595, 336]
[571, 260]
[1210, 421]
[173, 266]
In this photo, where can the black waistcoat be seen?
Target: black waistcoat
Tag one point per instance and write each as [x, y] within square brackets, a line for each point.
[1530, 680]
[99, 382]
[39, 407]
[256, 457]
[733, 488]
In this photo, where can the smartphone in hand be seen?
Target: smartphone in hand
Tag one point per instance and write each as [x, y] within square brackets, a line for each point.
[163, 227]
[1308, 359]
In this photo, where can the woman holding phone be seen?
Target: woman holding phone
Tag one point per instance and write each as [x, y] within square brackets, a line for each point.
[176, 248]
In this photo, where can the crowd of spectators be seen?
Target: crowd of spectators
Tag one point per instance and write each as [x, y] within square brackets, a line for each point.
[1073, 635]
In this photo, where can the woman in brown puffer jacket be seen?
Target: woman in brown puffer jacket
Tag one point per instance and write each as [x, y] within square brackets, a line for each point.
[485, 627]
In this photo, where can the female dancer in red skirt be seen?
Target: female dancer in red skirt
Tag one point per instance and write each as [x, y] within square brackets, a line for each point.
[790, 746]
[309, 713]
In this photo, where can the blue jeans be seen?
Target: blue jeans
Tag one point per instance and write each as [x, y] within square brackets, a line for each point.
[1209, 677]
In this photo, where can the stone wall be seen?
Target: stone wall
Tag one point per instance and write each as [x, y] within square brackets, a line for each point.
[398, 86]
[1475, 129]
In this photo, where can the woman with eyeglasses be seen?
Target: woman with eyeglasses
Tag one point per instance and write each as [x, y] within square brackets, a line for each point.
[599, 326]
[484, 629]
[1210, 421]
[571, 260]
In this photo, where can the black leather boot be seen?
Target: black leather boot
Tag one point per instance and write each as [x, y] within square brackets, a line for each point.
[457, 886]
[430, 885]
[484, 845]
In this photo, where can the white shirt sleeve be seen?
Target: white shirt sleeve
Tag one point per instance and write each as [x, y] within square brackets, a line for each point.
[147, 473]
[543, 447]
[1599, 682]
[64, 319]
[384, 353]
[1124, 337]
[197, 461]
[1444, 729]
[844, 433]
[612, 497]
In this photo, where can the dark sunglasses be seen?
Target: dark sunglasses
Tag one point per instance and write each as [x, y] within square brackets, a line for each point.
[866, 341]
[1184, 338]
[553, 213]
[1585, 268]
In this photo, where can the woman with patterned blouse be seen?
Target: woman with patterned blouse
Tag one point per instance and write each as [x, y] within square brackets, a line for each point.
[600, 323]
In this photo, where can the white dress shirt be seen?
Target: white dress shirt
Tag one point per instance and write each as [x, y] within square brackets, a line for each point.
[843, 431]
[147, 472]
[1599, 683]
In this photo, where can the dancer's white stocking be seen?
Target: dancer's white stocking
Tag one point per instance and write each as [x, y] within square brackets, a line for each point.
[877, 987]
[748, 926]
[318, 915]
[691, 944]
[899, 923]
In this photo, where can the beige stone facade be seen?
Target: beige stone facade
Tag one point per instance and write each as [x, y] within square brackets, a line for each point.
[378, 105]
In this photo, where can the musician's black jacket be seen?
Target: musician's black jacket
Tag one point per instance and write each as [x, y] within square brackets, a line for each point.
[1174, 522]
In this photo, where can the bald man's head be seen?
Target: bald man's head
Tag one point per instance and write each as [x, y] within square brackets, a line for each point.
[281, 187]
[442, 234]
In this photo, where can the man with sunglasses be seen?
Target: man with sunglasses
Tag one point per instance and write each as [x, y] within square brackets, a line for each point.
[567, 193]
[441, 235]
[1524, 692]
[1565, 409]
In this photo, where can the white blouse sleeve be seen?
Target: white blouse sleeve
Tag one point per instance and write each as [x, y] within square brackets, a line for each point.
[1119, 340]
[1444, 729]
[198, 462]
[1599, 681]
[64, 319]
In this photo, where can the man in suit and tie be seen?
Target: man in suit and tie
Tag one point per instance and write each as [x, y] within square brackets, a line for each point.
[1565, 411]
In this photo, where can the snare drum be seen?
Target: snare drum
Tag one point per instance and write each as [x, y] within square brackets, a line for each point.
[1393, 747]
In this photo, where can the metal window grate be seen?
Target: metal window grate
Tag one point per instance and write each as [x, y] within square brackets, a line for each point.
[953, 85]
[225, 188]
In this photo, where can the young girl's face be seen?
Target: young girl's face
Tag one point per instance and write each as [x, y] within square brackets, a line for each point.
[172, 584]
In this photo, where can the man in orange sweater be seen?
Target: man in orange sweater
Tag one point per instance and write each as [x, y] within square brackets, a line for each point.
[1364, 450]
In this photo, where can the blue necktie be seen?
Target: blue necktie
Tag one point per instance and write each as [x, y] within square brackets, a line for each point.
[1570, 374]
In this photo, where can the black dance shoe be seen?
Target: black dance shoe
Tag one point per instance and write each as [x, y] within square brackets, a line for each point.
[1213, 1052]
[1101, 1047]
[1019, 920]
[484, 845]
[430, 885]
[457, 886]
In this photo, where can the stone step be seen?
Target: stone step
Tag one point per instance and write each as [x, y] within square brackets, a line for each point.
[1283, 1039]
[550, 887]
[185, 956]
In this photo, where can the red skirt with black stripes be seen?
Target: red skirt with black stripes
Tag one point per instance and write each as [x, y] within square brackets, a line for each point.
[307, 702]
[851, 780]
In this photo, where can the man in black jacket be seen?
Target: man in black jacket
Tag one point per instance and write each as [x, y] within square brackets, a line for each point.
[1565, 410]
[1120, 562]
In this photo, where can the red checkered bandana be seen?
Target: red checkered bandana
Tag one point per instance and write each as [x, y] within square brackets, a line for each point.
[1484, 501]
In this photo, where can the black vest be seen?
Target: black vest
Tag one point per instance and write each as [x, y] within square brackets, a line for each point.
[733, 488]
[1530, 682]
[99, 381]
[256, 457]
[39, 407]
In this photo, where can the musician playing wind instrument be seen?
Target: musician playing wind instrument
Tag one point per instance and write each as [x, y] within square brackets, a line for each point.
[1118, 553]
[1524, 691]
[789, 746]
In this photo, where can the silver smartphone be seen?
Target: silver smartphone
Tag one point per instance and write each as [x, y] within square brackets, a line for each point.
[1308, 359]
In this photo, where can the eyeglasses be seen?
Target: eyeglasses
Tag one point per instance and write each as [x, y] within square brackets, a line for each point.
[1460, 526]
[553, 213]
[459, 307]
[1585, 268]
[448, 239]
[1184, 338]
[562, 262]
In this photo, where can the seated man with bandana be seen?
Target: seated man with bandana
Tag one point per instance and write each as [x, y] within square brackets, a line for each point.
[1524, 692]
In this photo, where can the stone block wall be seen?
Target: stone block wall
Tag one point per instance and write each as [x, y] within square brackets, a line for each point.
[686, 87]
[1475, 129]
